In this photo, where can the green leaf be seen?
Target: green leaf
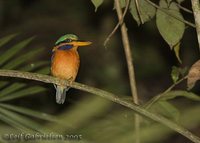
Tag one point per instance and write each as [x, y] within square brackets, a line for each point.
[183, 71]
[12, 88]
[96, 3]
[180, 1]
[6, 39]
[122, 3]
[169, 2]
[24, 121]
[2, 140]
[22, 93]
[45, 70]
[180, 93]
[169, 27]
[22, 59]
[13, 123]
[77, 112]
[170, 110]
[147, 11]
[151, 133]
[175, 74]
[176, 50]
[35, 65]
[29, 112]
[13, 50]
[3, 83]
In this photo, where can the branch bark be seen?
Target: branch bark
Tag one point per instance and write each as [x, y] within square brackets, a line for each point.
[118, 24]
[104, 94]
[128, 54]
[196, 11]
[131, 70]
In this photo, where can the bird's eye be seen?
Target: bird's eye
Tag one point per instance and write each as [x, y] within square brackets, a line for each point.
[68, 40]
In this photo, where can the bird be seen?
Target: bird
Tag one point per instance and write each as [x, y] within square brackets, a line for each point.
[65, 62]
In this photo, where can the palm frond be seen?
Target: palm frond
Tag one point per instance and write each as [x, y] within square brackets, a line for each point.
[13, 50]
[6, 39]
[29, 112]
[33, 66]
[22, 59]
[10, 90]
[21, 120]
[23, 92]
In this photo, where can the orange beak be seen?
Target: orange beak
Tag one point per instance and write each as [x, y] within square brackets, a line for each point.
[75, 44]
[81, 43]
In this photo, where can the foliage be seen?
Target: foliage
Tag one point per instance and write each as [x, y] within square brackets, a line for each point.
[18, 89]
[22, 120]
[171, 25]
[147, 11]
[97, 3]
[169, 19]
[92, 117]
[178, 73]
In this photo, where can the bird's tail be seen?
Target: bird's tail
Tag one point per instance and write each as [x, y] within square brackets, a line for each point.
[60, 94]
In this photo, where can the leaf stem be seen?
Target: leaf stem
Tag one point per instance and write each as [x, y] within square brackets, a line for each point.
[156, 98]
[139, 11]
[184, 9]
[118, 24]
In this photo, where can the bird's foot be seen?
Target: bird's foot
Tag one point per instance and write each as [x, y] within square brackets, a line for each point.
[70, 81]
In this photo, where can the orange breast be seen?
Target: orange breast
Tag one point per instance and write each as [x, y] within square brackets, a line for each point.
[65, 64]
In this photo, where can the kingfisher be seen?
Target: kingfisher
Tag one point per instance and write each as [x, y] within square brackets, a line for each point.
[65, 62]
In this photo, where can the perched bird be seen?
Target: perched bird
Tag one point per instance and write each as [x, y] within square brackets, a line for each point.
[65, 62]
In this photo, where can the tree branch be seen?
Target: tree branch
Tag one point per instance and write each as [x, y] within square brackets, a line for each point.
[184, 9]
[128, 54]
[139, 11]
[131, 70]
[104, 94]
[196, 11]
[118, 24]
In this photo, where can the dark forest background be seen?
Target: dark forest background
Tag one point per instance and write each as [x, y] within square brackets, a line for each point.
[102, 67]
